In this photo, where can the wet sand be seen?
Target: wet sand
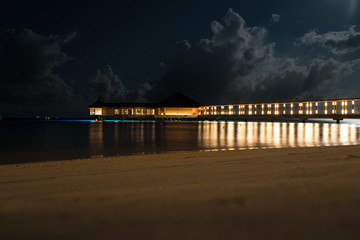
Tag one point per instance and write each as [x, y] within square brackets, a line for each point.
[291, 193]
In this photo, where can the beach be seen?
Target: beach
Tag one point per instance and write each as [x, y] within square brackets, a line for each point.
[287, 193]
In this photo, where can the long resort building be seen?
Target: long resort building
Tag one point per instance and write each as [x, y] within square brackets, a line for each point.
[179, 106]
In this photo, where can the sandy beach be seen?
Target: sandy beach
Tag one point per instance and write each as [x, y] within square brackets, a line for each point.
[290, 193]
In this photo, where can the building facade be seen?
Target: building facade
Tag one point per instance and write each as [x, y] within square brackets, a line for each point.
[180, 106]
[175, 106]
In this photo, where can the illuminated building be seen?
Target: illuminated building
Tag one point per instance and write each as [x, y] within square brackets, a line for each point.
[179, 106]
[175, 106]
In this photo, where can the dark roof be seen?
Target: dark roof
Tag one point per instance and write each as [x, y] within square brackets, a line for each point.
[99, 103]
[175, 100]
[178, 100]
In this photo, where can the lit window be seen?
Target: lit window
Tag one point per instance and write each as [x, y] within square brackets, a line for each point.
[95, 111]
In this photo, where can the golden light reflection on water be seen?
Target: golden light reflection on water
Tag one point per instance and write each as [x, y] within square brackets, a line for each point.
[96, 138]
[238, 135]
[134, 137]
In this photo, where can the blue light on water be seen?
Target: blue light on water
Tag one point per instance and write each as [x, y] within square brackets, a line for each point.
[71, 120]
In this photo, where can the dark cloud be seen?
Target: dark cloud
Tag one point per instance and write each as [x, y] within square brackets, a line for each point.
[108, 85]
[291, 81]
[238, 64]
[275, 18]
[216, 67]
[27, 61]
[140, 94]
[341, 42]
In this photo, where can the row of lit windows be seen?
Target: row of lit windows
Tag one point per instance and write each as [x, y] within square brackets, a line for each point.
[134, 111]
[304, 108]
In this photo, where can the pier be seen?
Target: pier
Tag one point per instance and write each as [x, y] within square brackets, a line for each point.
[337, 110]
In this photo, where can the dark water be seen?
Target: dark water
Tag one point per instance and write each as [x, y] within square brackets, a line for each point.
[28, 141]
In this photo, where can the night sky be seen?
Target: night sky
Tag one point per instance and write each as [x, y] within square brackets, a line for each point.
[58, 57]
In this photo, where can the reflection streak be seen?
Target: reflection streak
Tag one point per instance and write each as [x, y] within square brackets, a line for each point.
[275, 135]
[213, 135]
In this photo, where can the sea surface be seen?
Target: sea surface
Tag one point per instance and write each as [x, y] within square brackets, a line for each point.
[30, 141]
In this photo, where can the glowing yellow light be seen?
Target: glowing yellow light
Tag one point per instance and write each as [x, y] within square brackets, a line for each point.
[96, 111]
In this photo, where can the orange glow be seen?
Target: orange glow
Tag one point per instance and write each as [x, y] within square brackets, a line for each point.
[307, 108]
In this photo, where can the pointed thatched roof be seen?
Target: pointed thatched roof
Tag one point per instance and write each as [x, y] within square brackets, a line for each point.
[100, 103]
[178, 100]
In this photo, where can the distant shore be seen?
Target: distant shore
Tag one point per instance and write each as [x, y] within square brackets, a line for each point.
[288, 193]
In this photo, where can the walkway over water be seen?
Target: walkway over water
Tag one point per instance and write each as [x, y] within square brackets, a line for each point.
[337, 109]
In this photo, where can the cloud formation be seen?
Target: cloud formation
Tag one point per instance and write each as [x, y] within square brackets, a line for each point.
[291, 81]
[238, 64]
[275, 18]
[341, 42]
[108, 85]
[27, 61]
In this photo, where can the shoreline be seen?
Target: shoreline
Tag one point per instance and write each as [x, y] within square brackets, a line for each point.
[277, 193]
[147, 154]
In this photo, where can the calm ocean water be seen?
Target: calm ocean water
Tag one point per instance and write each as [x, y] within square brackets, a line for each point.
[28, 141]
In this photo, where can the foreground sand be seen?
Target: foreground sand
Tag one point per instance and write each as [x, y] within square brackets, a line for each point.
[294, 193]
